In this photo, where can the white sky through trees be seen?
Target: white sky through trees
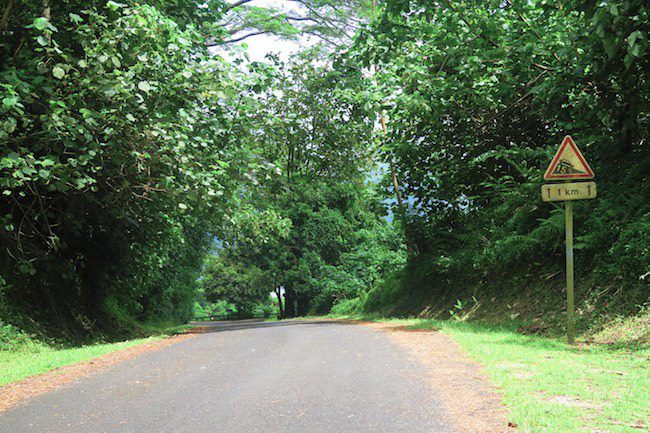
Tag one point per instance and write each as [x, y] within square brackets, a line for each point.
[259, 46]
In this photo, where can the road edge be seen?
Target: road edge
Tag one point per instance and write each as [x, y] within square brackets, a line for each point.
[472, 403]
[15, 393]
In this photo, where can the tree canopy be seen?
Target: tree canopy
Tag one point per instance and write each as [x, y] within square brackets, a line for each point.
[146, 160]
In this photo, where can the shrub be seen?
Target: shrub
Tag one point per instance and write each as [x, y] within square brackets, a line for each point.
[11, 337]
[348, 307]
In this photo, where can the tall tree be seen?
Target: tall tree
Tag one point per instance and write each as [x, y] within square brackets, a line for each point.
[479, 95]
[117, 128]
[317, 129]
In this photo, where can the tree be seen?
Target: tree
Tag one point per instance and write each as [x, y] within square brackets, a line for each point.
[332, 22]
[118, 128]
[317, 134]
[478, 96]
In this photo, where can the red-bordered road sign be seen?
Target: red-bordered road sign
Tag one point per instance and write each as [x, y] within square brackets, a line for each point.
[568, 163]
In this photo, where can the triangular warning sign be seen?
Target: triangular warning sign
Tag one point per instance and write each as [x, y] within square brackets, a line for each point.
[568, 163]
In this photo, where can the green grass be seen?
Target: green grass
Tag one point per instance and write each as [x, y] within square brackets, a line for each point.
[550, 387]
[39, 358]
[553, 388]
[30, 357]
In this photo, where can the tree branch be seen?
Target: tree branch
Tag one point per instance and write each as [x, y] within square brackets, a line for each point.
[325, 20]
[237, 4]
[318, 35]
[522, 18]
[274, 17]
[509, 107]
[240, 38]
[4, 22]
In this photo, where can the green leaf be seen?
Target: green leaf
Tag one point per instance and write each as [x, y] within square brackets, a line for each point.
[40, 23]
[9, 101]
[144, 86]
[611, 46]
[631, 40]
[114, 5]
[75, 18]
[58, 72]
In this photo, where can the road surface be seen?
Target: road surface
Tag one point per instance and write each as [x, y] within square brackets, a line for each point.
[247, 377]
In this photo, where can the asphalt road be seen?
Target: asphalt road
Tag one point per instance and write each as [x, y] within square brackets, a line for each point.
[247, 377]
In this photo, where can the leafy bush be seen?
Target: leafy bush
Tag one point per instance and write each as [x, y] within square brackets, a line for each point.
[348, 307]
[12, 338]
[385, 296]
[218, 308]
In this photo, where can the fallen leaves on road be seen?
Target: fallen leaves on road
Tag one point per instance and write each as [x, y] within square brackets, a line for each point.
[471, 401]
[404, 328]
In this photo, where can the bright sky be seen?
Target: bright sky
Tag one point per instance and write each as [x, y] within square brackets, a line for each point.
[261, 45]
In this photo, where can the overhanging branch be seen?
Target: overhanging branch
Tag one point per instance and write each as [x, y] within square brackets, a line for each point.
[238, 39]
[237, 4]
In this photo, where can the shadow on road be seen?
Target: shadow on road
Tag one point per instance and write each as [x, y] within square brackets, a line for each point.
[238, 325]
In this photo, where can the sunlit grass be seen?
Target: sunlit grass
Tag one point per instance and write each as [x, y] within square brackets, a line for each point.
[32, 357]
[40, 358]
[550, 387]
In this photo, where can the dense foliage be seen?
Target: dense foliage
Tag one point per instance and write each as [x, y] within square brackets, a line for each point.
[312, 231]
[479, 96]
[133, 136]
[115, 127]
[146, 164]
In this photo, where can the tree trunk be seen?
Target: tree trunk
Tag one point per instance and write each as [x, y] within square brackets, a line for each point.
[303, 306]
[289, 303]
[278, 293]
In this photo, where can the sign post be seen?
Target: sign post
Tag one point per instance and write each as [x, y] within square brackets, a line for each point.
[569, 164]
[570, 309]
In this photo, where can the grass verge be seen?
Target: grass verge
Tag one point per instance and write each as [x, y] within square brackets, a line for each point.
[550, 387]
[39, 358]
[32, 357]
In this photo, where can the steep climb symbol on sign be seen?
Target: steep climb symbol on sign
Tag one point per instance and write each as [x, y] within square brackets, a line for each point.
[568, 163]
[564, 166]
